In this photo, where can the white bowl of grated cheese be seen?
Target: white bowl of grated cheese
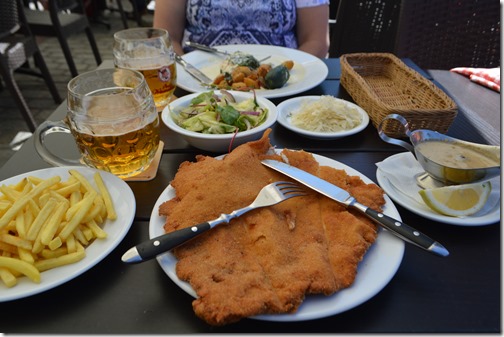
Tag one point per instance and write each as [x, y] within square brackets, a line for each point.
[322, 117]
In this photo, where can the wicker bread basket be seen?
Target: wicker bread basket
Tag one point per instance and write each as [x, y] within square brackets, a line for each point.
[382, 84]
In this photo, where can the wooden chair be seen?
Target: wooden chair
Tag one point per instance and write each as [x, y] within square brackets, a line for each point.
[63, 19]
[17, 44]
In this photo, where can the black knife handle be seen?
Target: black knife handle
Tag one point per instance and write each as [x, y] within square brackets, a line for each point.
[161, 244]
[406, 232]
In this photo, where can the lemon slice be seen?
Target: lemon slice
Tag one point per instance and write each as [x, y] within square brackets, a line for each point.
[457, 200]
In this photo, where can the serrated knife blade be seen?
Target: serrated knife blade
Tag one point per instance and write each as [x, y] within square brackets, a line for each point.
[338, 194]
[193, 71]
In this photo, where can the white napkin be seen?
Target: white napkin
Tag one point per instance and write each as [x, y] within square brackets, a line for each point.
[401, 169]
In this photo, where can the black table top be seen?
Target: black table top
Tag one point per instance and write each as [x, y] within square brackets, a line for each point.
[459, 293]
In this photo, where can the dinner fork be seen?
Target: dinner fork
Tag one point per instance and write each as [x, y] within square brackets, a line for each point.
[269, 195]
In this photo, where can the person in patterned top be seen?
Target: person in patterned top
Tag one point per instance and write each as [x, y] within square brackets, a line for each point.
[299, 24]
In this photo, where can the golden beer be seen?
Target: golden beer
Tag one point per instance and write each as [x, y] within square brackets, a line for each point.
[113, 120]
[123, 154]
[149, 51]
[162, 82]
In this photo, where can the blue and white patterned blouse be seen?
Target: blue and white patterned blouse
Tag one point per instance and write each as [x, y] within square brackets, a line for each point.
[222, 22]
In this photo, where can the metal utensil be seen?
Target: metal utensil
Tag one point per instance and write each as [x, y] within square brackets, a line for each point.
[269, 195]
[396, 227]
[215, 50]
[193, 71]
[206, 48]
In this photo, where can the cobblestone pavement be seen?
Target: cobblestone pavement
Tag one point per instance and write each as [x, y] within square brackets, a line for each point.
[34, 89]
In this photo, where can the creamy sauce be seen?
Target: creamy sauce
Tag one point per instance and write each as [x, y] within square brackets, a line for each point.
[455, 155]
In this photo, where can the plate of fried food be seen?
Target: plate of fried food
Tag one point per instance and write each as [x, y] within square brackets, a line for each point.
[56, 223]
[306, 71]
[277, 263]
[322, 117]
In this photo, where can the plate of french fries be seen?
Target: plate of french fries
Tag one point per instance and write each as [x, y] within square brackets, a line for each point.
[57, 223]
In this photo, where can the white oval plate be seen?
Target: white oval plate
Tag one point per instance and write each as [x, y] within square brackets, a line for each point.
[125, 206]
[491, 217]
[308, 71]
[286, 108]
[374, 272]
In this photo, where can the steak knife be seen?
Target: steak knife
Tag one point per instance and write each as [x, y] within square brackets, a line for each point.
[333, 192]
[193, 71]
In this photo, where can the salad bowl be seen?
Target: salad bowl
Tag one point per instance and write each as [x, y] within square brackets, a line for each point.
[219, 137]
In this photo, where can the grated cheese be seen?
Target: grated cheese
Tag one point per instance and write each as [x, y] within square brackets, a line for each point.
[326, 114]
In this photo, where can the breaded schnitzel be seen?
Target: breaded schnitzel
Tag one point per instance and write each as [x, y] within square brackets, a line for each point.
[269, 259]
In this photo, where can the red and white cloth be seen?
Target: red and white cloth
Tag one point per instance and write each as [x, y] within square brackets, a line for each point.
[489, 77]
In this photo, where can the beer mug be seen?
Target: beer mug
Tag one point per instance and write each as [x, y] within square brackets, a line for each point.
[113, 119]
[149, 51]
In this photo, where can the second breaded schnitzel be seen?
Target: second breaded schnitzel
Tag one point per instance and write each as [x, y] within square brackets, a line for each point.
[269, 259]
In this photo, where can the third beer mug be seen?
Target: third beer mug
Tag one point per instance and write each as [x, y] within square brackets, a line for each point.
[148, 50]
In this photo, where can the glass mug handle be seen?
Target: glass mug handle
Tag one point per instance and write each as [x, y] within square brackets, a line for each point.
[41, 132]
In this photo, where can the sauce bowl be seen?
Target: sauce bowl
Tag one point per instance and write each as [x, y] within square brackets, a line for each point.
[463, 163]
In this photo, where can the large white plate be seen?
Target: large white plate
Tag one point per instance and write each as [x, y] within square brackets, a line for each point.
[308, 71]
[374, 272]
[490, 217]
[287, 107]
[125, 205]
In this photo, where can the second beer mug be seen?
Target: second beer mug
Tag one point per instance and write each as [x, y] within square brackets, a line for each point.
[148, 50]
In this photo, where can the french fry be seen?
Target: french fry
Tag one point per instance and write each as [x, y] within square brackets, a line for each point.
[76, 219]
[23, 267]
[88, 233]
[50, 228]
[96, 209]
[20, 186]
[24, 200]
[85, 183]
[20, 225]
[39, 221]
[7, 277]
[16, 241]
[47, 223]
[55, 243]
[4, 204]
[52, 253]
[68, 189]
[111, 213]
[10, 193]
[79, 235]
[75, 197]
[7, 248]
[26, 255]
[43, 265]
[97, 230]
[71, 243]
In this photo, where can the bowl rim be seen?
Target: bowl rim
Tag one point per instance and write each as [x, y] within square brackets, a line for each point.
[271, 117]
